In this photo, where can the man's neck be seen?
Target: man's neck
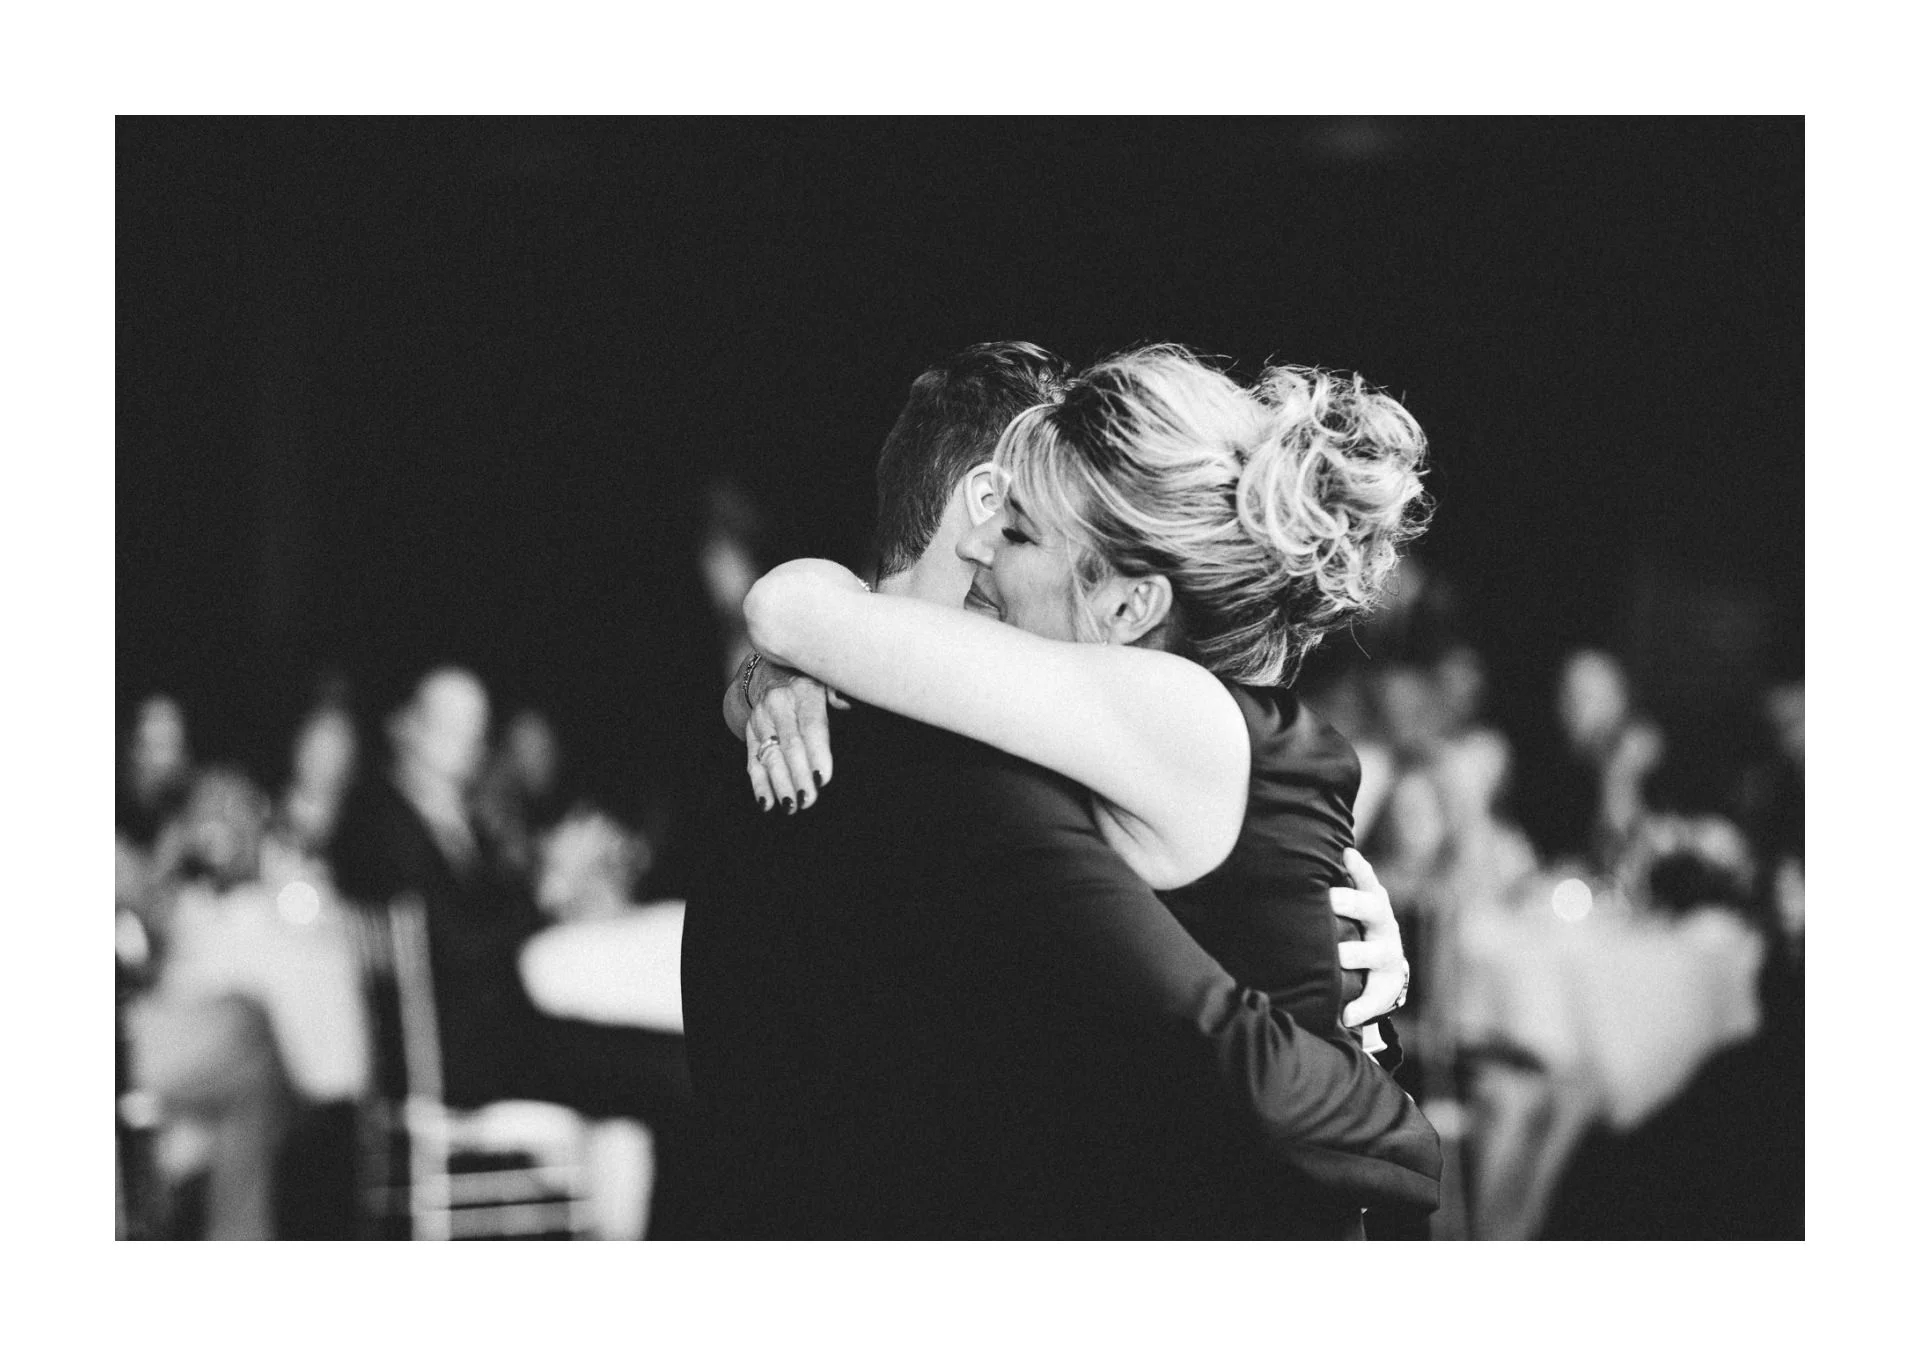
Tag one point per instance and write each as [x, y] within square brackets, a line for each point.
[442, 807]
[938, 576]
[438, 800]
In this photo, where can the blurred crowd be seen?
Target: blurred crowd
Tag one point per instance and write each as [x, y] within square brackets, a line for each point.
[1605, 924]
[407, 968]
[256, 918]
[1605, 1022]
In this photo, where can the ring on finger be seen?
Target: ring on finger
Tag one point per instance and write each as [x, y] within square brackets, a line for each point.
[1406, 985]
[766, 746]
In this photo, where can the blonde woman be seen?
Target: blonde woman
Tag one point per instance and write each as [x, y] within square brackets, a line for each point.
[1168, 546]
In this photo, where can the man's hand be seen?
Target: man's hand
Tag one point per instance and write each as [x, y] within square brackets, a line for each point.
[1378, 952]
[789, 758]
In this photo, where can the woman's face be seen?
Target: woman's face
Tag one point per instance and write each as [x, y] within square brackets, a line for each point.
[158, 756]
[534, 752]
[323, 757]
[1023, 573]
[1593, 698]
[224, 823]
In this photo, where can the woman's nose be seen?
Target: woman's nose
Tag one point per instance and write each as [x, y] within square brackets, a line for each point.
[977, 546]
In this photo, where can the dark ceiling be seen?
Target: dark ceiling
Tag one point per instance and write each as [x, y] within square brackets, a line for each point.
[395, 388]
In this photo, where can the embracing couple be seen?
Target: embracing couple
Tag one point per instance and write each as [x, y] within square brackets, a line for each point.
[1040, 941]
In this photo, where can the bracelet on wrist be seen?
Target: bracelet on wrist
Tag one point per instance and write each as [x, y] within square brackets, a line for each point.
[746, 678]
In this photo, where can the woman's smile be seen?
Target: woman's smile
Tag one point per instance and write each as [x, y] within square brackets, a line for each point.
[980, 596]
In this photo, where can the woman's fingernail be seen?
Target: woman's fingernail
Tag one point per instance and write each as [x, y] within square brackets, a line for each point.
[765, 804]
[788, 802]
[819, 783]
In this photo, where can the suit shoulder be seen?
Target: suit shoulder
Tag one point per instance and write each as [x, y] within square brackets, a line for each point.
[959, 794]
[1292, 744]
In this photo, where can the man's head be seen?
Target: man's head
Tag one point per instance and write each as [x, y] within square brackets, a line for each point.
[222, 826]
[441, 733]
[324, 750]
[1594, 702]
[532, 752]
[953, 418]
[157, 754]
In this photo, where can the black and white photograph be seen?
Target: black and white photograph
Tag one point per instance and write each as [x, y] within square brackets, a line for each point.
[988, 678]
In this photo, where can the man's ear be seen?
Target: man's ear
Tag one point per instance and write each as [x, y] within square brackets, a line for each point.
[980, 487]
[1135, 607]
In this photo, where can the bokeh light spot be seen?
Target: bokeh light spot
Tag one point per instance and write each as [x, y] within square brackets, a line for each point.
[1572, 899]
[298, 902]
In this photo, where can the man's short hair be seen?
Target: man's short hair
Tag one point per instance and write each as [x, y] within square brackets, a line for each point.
[953, 420]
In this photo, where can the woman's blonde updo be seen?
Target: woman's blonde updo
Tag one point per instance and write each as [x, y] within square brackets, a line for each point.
[1276, 513]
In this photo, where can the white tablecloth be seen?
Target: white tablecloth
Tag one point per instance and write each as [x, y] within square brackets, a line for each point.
[288, 949]
[1633, 1005]
[623, 971]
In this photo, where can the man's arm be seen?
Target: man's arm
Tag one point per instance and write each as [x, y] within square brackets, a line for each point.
[1323, 1109]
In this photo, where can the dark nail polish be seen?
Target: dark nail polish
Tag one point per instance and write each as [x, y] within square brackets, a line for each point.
[819, 783]
[764, 803]
[788, 802]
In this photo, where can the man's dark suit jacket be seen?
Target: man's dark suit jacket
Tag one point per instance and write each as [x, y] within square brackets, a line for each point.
[477, 920]
[938, 1005]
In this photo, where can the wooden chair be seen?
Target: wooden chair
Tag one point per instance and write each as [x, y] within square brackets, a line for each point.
[513, 1169]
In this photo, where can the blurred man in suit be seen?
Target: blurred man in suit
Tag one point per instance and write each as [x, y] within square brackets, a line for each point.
[413, 831]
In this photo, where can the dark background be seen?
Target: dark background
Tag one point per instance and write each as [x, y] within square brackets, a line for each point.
[398, 390]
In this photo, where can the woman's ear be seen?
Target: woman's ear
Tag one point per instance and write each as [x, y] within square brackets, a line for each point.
[1134, 608]
[980, 487]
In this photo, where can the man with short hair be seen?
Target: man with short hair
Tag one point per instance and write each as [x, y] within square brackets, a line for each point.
[938, 1005]
[413, 832]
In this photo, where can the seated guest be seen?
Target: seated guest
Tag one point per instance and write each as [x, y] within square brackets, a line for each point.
[413, 831]
[590, 866]
[253, 1017]
[325, 750]
[1581, 798]
[153, 780]
[518, 796]
[151, 788]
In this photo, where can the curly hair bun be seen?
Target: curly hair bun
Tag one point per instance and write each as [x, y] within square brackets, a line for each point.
[1332, 488]
[1276, 512]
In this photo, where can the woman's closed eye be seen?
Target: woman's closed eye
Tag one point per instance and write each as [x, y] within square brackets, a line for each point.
[1016, 536]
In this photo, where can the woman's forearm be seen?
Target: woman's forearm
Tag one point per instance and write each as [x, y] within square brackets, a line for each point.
[795, 609]
[1156, 737]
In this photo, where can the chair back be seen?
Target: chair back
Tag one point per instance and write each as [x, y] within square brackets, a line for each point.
[413, 983]
[520, 1184]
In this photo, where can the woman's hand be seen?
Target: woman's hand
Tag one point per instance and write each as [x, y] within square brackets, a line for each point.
[1378, 951]
[789, 758]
